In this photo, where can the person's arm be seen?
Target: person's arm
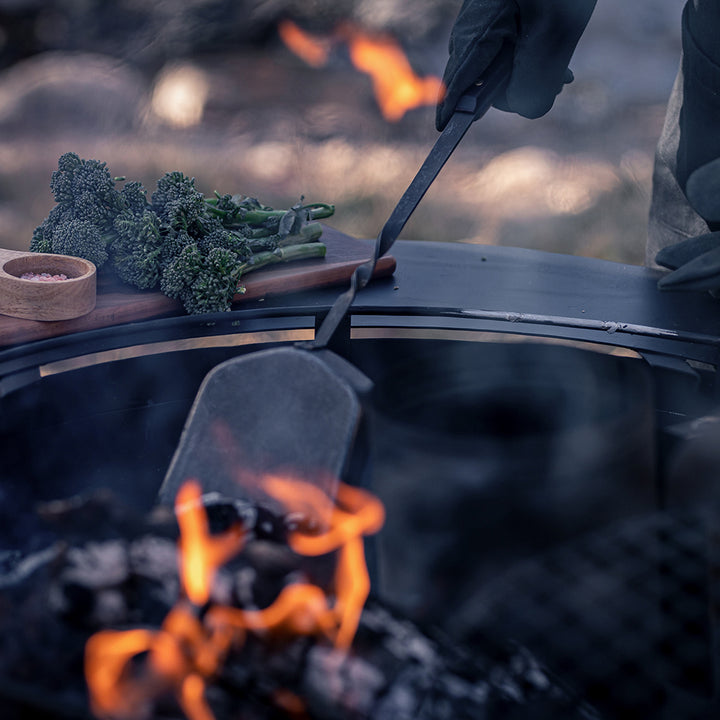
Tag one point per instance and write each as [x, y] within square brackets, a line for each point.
[700, 113]
[684, 228]
[544, 34]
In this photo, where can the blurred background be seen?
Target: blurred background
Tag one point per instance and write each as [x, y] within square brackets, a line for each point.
[212, 88]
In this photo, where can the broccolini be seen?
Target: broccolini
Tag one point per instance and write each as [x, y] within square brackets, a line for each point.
[194, 249]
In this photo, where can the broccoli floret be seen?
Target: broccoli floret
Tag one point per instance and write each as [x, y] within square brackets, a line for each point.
[81, 223]
[222, 238]
[137, 248]
[174, 243]
[203, 282]
[204, 273]
[95, 221]
[134, 197]
[81, 239]
[86, 187]
[61, 181]
[171, 188]
[207, 282]
[41, 241]
[179, 273]
[182, 207]
[213, 289]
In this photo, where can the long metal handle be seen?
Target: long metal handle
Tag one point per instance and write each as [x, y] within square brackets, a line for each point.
[471, 106]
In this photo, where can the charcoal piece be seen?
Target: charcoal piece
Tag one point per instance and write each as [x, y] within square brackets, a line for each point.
[101, 514]
[18, 566]
[335, 684]
[223, 512]
[98, 565]
[39, 650]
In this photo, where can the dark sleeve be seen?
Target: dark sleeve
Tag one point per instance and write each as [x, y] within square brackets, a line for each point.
[700, 112]
[691, 134]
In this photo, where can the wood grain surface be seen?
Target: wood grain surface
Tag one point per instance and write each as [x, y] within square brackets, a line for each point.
[117, 304]
[35, 300]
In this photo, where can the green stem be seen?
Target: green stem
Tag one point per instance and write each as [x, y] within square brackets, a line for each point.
[259, 232]
[263, 244]
[290, 253]
[308, 234]
[319, 210]
[302, 251]
[316, 211]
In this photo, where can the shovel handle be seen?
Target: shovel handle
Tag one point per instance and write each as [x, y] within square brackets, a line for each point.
[472, 105]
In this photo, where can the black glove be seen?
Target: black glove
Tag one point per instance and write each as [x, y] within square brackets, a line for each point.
[544, 33]
[696, 262]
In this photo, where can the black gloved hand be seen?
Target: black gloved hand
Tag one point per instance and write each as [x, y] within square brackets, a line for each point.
[544, 33]
[696, 262]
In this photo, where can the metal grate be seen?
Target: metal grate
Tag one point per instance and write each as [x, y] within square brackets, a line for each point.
[626, 616]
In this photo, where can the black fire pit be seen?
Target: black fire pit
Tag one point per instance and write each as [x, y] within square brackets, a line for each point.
[530, 433]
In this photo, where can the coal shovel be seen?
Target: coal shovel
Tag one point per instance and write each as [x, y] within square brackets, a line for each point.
[299, 410]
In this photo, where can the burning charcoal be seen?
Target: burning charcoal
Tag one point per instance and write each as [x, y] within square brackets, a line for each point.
[62, 612]
[223, 511]
[395, 671]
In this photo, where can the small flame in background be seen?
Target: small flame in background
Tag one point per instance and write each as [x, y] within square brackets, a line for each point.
[190, 647]
[397, 88]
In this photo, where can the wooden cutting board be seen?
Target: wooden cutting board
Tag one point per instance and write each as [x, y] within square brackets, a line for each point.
[117, 304]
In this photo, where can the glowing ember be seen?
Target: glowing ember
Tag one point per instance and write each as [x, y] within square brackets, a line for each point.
[397, 88]
[127, 671]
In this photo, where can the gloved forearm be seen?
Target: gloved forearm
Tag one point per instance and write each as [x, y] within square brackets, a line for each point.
[544, 34]
[703, 22]
[699, 120]
[695, 262]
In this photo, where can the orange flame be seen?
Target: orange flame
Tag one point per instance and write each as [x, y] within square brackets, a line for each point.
[201, 554]
[396, 86]
[181, 655]
[363, 514]
[314, 51]
[186, 652]
[107, 654]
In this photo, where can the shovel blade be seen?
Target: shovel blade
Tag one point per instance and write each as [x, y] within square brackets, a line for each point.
[283, 411]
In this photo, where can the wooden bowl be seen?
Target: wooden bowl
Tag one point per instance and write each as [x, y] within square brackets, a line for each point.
[38, 300]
